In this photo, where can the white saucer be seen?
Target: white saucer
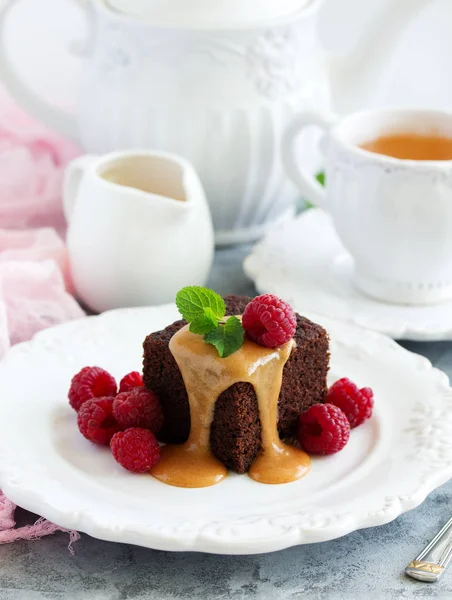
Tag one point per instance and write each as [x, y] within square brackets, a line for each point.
[304, 262]
[389, 466]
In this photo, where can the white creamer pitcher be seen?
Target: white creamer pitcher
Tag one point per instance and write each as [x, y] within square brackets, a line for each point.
[139, 228]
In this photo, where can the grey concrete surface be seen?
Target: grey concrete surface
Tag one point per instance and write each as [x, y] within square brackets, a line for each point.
[366, 564]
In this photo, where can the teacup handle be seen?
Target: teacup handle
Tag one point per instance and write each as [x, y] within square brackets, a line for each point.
[311, 189]
[73, 176]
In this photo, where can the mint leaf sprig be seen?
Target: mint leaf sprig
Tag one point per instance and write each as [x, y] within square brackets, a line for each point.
[205, 310]
[227, 338]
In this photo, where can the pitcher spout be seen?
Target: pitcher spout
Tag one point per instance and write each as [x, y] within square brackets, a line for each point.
[353, 76]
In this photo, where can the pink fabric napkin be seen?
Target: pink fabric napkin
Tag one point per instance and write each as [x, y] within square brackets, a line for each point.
[32, 161]
[35, 281]
[28, 532]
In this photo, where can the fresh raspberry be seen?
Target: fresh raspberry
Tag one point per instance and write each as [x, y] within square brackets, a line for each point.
[355, 403]
[90, 382]
[130, 381]
[269, 321]
[138, 408]
[96, 421]
[136, 449]
[323, 429]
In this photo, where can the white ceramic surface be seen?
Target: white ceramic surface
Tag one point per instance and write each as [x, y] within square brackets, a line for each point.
[389, 466]
[393, 215]
[220, 96]
[304, 262]
[128, 247]
[218, 13]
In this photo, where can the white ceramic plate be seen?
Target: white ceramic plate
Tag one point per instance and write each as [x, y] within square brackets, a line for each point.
[389, 466]
[304, 262]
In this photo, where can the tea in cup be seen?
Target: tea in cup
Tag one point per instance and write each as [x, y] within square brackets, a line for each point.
[389, 192]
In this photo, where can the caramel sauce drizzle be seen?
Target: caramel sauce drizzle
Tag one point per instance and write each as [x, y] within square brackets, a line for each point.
[206, 376]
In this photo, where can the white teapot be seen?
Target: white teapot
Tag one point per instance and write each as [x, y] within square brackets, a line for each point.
[215, 81]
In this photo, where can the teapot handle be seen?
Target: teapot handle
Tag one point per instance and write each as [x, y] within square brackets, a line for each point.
[73, 176]
[311, 189]
[51, 116]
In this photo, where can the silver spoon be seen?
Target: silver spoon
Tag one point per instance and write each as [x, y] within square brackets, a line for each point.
[434, 559]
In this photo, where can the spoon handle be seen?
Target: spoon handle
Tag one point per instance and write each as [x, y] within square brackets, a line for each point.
[434, 559]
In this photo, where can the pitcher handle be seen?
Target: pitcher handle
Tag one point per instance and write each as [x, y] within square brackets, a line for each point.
[311, 189]
[73, 176]
[51, 116]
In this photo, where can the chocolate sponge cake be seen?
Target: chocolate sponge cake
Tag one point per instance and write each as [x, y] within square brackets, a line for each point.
[235, 436]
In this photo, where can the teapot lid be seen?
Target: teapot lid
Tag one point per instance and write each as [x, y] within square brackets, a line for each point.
[208, 13]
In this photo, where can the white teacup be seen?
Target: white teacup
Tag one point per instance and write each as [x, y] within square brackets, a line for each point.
[393, 215]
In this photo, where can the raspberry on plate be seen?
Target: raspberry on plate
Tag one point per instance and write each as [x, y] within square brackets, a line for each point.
[355, 403]
[130, 381]
[96, 421]
[269, 321]
[90, 382]
[135, 449]
[323, 429]
[138, 408]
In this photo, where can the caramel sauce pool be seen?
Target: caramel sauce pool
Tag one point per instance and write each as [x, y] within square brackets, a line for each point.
[206, 376]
